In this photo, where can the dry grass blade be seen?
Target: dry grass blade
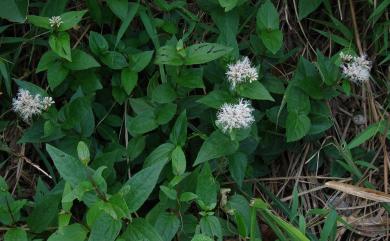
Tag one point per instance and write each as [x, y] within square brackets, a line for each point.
[365, 193]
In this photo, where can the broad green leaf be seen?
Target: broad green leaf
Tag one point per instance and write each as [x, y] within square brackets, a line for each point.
[141, 185]
[14, 10]
[97, 43]
[267, 17]
[56, 74]
[328, 70]
[119, 8]
[305, 7]
[161, 154]
[81, 60]
[237, 167]
[168, 55]
[216, 98]
[70, 169]
[228, 4]
[201, 237]
[211, 226]
[163, 93]
[133, 9]
[297, 100]
[105, 228]
[38, 21]
[205, 52]
[47, 59]
[71, 19]
[73, 232]
[167, 225]
[165, 113]
[191, 78]
[206, 188]
[178, 161]
[169, 192]
[255, 91]
[141, 124]
[272, 39]
[140, 60]
[297, 126]
[15, 234]
[216, 145]
[60, 44]
[308, 79]
[44, 212]
[140, 229]
[178, 134]
[129, 80]
[114, 60]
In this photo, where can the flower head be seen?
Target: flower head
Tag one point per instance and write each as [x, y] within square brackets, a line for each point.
[55, 21]
[235, 116]
[27, 105]
[356, 69]
[241, 72]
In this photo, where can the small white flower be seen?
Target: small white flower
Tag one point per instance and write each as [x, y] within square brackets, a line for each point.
[55, 21]
[27, 105]
[235, 116]
[356, 69]
[241, 72]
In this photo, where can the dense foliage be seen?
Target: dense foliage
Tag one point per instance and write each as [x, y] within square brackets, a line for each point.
[154, 120]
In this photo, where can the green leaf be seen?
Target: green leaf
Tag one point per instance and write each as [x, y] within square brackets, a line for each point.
[129, 80]
[237, 167]
[133, 9]
[167, 225]
[140, 60]
[228, 4]
[105, 228]
[328, 70]
[70, 169]
[47, 59]
[191, 78]
[297, 100]
[161, 154]
[178, 134]
[305, 7]
[201, 237]
[81, 60]
[297, 126]
[216, 98]
[169, 192]
[272, 39]
[141, 124]
[60, 44]
[37, 21]
[255, 91]
[307, 78]
[330, 225]
[365, 135]
[178, 161]
[164, 93]
[205, 52]
[56, 74]
[119, 8]
[114, 60]
[267, 17]
[165, 112]
[70, 19]
[73, 232]
[83, 152]
[211, 226]
[44, 212]
[14, 10]
[141, 185]
[216, 145]
[206, 188]
[97, 43]
[168, 55]
[140, 229]
[15, 234]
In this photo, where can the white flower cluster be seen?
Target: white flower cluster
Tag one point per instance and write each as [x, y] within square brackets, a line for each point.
[55, 21]
[27, 105]
[241, 72]
[235, 116]
[356, 69]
